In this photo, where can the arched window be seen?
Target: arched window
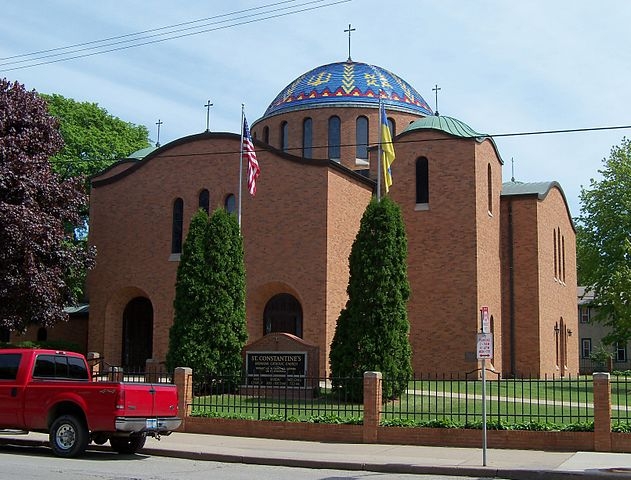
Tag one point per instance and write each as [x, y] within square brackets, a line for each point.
[176, 229]
[422, 180]
[489, 186]
[563, 258]
[392, 126]
[284, 133]
[283, 313]
[335, 137]
[307, 138]
[361, 138]
[266, 134]
[204, 200]
[230, 203]
[556, 262]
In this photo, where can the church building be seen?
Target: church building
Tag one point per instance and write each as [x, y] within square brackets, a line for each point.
[473, 241]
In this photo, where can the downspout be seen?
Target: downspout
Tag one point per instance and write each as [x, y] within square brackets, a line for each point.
[511, 287]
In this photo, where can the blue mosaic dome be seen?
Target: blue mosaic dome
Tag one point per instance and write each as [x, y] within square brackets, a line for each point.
[352, 84]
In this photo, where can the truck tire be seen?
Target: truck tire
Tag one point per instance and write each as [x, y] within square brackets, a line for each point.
[129, 445]
[68, 436]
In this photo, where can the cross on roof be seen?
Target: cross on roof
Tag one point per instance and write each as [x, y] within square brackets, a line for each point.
[208, 105]
[436, 89]
[349, 30]
[158, 123]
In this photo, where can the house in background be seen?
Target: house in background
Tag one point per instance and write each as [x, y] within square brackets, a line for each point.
[591, 335]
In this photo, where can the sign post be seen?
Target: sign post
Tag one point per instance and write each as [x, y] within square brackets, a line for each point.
[484, 351]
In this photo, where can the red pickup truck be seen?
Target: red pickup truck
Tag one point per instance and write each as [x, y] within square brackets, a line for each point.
[53, 392]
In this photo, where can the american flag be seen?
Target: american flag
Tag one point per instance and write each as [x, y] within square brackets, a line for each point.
[253, 164]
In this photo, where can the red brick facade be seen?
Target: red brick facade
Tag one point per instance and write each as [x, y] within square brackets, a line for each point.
[299, 228]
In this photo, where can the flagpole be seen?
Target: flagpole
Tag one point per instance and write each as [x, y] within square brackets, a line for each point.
[241, 165]
[379, 161]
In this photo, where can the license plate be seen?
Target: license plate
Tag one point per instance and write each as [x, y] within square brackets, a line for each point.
[152, 423]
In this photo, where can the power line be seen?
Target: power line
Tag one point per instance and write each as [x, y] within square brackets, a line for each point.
[49, 57]
[437, 139]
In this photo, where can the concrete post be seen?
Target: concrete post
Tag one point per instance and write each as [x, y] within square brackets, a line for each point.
[372, 405]
[183, 379]
[94, 363]
[602, 412]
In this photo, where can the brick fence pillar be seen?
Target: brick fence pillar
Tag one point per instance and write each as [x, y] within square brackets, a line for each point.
[602, 412]
[152, 370]
[372, 405]
[183, 379]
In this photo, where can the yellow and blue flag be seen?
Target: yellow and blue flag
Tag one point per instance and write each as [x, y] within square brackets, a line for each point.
[387, 149]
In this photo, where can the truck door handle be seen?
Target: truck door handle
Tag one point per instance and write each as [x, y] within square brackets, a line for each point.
[14, 392]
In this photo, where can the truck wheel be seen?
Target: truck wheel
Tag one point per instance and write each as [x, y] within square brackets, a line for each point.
[131, 444]
[68, 436]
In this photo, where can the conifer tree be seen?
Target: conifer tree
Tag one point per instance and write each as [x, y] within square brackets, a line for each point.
[209, 329]
[372, 330]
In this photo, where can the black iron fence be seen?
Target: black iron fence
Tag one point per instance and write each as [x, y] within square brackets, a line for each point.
[439, 400]
[102, 371]
[621, 400]
[260, 397]
[458, 400]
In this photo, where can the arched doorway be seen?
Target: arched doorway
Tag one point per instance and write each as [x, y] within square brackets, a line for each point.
[283, 313]
[137, 333]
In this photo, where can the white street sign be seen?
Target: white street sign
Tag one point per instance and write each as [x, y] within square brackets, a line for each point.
[485, 346]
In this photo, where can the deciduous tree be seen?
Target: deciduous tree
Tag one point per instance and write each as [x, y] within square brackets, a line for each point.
[604, 242]
[372, 330]
[93, 139]
[37, 253]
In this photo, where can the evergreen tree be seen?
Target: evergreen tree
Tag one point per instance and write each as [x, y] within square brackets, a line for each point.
[209, 329]
[37, 254]
[372, 330]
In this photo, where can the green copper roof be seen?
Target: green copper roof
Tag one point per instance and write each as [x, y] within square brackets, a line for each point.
[449, 125]
[142, 153]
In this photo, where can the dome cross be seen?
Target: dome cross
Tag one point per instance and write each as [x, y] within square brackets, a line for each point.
[349, 30]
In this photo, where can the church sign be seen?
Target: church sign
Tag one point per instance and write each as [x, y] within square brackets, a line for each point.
[276, 369]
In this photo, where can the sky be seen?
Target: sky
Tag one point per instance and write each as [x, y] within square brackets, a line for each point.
[502, 66]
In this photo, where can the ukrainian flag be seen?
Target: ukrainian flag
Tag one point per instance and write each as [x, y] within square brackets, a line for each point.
[387, 149]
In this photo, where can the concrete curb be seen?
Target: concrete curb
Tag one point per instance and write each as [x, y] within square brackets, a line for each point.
[463, 471]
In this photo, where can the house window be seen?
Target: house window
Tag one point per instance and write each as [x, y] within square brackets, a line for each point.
[284, 136]
[361, 138]
[621, 352]
[335, 138]
[176, 228]
[583, 314]
[586, 347]
[5, 335]
[307, 138]
[422, 181]
[42, 334]
[204, 200]
[266, 134]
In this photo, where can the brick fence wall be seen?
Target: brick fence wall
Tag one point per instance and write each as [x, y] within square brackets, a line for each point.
[602, 439]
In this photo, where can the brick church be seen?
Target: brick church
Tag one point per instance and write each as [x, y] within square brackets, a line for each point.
[473, 240]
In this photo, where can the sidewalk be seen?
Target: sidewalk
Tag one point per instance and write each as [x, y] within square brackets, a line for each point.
[509, 464]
